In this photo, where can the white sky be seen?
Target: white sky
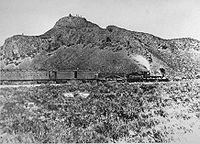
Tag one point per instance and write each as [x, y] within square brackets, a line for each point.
[163, 18]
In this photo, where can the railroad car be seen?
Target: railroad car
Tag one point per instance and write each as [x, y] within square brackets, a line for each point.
[112, 77]
[63, 76]
[24, 75]
[86, 75]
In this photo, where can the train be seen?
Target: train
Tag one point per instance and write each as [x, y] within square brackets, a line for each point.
[64, 76]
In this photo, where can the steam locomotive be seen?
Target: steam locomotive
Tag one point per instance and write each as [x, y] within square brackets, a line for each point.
[64, 76]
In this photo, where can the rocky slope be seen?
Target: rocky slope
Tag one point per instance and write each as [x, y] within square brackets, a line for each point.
[74, 43]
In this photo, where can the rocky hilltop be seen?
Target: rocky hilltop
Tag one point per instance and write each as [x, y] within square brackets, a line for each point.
[75, 43]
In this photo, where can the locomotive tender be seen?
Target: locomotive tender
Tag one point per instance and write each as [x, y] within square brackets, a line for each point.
[64, 76]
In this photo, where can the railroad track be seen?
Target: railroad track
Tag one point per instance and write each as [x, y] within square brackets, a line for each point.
[133, 83]
[26, 85]
[181, 81]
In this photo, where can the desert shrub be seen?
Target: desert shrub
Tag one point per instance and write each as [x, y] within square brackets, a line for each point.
[112, 112]
[150, 89]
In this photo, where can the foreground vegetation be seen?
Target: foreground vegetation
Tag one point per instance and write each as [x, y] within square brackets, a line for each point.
[112, 112]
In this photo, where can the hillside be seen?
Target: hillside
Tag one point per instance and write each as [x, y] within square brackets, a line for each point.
[74, 43]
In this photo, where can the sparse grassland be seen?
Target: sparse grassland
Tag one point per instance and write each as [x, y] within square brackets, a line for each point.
[112, 112]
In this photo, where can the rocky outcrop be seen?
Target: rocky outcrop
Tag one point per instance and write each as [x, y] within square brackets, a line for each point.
[74, 43]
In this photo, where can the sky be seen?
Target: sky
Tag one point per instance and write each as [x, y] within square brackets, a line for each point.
[163, 18]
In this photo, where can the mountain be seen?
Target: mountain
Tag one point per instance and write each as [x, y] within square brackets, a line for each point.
[75, 43]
